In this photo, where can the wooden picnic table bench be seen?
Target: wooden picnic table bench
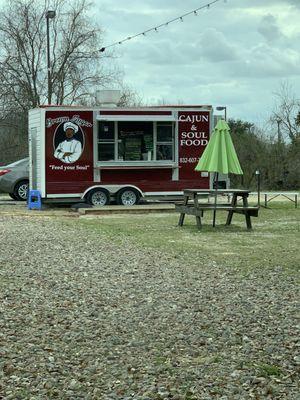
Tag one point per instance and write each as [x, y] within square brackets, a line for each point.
[197, 209]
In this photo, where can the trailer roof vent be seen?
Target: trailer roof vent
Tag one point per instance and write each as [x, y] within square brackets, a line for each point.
[108, 98]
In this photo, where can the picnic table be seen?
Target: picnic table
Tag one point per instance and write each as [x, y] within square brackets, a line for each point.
[192, 206]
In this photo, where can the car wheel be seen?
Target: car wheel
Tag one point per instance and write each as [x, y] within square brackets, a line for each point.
[21, 190]
[98, 197]
[128, 197]
[12, 196]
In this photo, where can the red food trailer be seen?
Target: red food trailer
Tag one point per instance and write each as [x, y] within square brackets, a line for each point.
[111, 153]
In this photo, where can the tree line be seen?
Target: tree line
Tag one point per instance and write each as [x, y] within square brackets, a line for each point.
[276, 154]
[276, 161]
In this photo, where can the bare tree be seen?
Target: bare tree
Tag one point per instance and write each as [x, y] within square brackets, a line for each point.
[76, 63]
[12, 145]
[129, 97]
[286, 115]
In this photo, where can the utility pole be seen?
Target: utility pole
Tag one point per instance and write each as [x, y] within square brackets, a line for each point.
[49, 15]
[278, 120]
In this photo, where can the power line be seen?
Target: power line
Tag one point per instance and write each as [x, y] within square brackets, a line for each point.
[155, 28]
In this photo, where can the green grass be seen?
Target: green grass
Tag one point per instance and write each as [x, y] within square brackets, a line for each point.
[267, 370]
[274, 240]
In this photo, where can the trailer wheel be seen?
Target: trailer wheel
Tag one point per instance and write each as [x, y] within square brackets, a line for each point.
[128, 197]
[21, 190]
[98, 197]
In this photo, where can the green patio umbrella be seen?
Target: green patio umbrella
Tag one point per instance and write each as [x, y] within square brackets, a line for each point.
[219, 156]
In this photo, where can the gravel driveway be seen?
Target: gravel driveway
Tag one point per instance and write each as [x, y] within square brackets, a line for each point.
[82, 317]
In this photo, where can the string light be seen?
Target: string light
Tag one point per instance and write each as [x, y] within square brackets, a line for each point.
[207, 6]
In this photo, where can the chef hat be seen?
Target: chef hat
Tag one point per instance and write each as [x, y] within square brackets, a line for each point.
[70, 125]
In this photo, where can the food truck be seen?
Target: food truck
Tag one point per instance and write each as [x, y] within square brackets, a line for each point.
[121, 154]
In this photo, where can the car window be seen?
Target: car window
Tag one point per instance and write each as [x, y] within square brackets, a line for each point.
[24, 161]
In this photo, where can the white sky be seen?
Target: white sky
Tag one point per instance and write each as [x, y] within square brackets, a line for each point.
[237, 53]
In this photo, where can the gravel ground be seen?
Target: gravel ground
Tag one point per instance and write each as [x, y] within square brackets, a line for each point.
[82, 317]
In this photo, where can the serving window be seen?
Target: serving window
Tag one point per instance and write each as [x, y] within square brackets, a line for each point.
[135, 141]
[165, 141]
[106, 141]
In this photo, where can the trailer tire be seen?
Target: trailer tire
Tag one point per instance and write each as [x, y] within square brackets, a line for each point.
[128, 197]
[21, 190]
[98, 197]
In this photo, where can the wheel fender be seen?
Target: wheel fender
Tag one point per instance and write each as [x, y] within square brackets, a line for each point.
[25, 179]
[131, 187]
[92, 188]
[112, 189]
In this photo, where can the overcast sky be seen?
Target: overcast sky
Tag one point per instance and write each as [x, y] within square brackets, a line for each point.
[236, 53]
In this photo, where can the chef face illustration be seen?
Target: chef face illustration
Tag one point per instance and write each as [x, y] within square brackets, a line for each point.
[69, 150]
[70, 133]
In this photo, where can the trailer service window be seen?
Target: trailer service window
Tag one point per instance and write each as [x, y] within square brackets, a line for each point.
[135, 141]
[106, 141]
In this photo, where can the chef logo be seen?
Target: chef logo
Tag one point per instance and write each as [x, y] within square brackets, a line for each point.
[68, 142]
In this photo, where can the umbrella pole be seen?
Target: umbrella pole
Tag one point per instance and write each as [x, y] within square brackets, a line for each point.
[216, 177]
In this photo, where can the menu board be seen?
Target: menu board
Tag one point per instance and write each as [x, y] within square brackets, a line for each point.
[148, 139]
[132, 148]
